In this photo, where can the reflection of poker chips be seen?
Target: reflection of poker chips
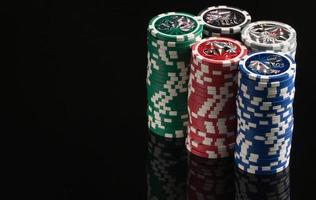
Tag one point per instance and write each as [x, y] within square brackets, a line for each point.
[211, 98]
[210, 178]
[169, 40]
[166, 168]
[270, 35]
[254, 187]
[224, 21]
[264, 102]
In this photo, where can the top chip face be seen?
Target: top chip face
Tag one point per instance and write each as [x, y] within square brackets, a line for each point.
[176, 24]
[219, 49]
[224, 20]
[223, 17]
[269, 33]
[267, 64]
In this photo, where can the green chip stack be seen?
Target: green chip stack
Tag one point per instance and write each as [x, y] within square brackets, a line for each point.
[169, 40]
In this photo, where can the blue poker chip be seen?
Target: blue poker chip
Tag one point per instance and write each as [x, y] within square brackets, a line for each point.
[265, 107]
[267, 66]
[269, 93]
[263, 150]
[255, 157]
[271, 168]
[255, 112]
[259, 146]
[275, 84]
[262, 165]
[276, 119]
[263, 129]
[260, 139]
[265, 122]
[260, 98]
[264, 162]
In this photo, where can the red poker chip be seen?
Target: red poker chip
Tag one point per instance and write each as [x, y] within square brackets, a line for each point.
[213, 155]
[219, 50]
[204, 140]
[196, 101]
[212, 70]
[202, 62]
[210, 114]
[209, 135]
[228, 124]
[225, 86]
[213, 147]
[217, 110]
[209, 148]
[203, 147]
[214, 141]
[215, 129]
[210, 88]
[219, 76]
[212, 79]
[211, 96]
[216, 94]
[211, 100]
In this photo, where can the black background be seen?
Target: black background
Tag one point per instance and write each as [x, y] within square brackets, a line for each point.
[73, 85]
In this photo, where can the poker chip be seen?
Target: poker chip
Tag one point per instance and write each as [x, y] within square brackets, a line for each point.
[169, 40]
[211, 96]
[166, 168]
[251, 186]
[265, 122]
[224, 21]
[270, 36]
[210, 178]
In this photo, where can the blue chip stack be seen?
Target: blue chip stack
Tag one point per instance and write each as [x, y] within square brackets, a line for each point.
[265, 112]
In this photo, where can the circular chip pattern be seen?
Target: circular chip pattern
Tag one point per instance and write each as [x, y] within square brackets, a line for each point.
[251, 186]
[211, 96]
[270, 35]
[224, 21]
[210, 178]
[166, 168]
[169, 40]
[266, 88]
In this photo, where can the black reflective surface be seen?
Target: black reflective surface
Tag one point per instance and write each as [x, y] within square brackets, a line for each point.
[174, 173]
[210, 178]
[166, 168]
[250, 186]
[73, 85]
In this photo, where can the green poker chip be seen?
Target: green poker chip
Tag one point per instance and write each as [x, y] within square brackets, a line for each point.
[170, 45]
[170, 37]
[175, 26]
[167, 65]
[165, 109]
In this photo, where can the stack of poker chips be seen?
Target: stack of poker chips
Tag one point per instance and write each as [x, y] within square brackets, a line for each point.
[212, 96]
[166, 168]
[265, 112]
[224, 21]
[210, 178]
[254, 187]
[270, 36]
[169, 40]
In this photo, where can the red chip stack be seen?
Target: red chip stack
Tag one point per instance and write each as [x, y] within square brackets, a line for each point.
[211, 96]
